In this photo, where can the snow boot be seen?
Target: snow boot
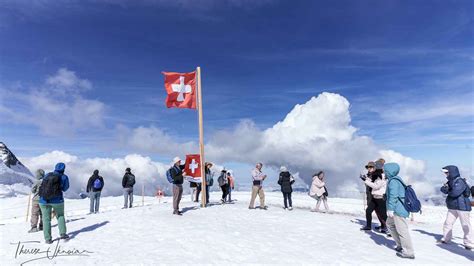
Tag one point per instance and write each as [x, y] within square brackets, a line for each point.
[290, 209]
[366, 228]
[49, 241]
[398, 249]
[33, 230]
[251, 208]
[405, 256]
[64, 236]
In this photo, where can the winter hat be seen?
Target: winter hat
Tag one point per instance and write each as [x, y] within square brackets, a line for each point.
[209, 164]
[128, 170]
[283, 169]
[39, 174]
[370, 164]
[379, 164]
[176, 159]
[96, 172]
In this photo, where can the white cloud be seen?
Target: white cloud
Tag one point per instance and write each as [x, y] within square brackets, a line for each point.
[148, 173]
[317, 135]
[57, 107]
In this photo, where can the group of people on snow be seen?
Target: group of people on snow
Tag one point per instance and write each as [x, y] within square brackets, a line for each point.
[386, 194]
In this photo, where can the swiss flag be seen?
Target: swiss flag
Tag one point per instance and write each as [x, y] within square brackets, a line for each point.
[192, 166]
[181, 89]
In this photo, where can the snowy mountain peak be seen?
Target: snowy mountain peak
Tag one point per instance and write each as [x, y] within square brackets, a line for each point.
[14, 176]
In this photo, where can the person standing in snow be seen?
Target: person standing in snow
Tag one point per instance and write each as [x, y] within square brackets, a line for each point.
[459, 206]
[209, 182]
[193, 186]
[51, 199]
[257, 189]
[230, 178]
[397, 214]
[178, 178]
[285, 180]
[128, 181]
[224, 184]
[35, 208]
[376, 183]
[318, 191]
[94, 188]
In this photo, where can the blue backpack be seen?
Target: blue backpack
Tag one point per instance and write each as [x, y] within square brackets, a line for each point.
[97, 184]
[411, 203]
[169, 176]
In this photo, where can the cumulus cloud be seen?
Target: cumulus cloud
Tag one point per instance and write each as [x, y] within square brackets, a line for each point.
[57, 107]
[148, 173]
[316, 135]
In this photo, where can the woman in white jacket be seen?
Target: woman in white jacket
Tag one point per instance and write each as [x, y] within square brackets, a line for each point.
[318, 191]
[378, 203]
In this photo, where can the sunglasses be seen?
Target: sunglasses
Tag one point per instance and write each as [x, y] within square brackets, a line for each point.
[367, 167]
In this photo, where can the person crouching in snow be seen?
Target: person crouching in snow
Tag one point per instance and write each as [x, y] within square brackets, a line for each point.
[397, 213]
[35, 208]
[318, 191]
[285, 181]
[459, 206]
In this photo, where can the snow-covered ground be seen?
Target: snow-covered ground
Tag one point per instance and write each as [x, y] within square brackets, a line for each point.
[223, 234]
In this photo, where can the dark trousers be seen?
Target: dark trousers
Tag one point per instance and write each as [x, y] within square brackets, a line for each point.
[225, 191]
[287, 199]
[199, 188]
[379, 206]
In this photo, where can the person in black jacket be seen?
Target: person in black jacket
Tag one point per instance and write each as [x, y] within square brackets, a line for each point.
[94, 187]
[285, 181]
[128, 182]
[177, 174]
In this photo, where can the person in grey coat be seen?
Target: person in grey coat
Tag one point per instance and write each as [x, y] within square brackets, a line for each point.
[35, 208]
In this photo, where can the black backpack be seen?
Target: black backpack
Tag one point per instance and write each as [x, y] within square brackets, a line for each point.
[51, 186]
[130, 180]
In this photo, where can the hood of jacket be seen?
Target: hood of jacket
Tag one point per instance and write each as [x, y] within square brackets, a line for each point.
[39, 174]
[60, 167]
[453, 172]
[391, 170]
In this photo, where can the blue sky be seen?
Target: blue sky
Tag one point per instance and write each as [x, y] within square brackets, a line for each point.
[406, 67]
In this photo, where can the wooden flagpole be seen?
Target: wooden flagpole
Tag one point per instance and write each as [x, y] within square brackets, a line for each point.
[201, 137]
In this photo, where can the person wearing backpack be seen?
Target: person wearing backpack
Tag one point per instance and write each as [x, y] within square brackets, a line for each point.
[459, 206]
[51, 199]
[285, 180]
[94, 188]
[397, 213]
[177, 176]
[128, 181]
[224, 184]
[35, 208]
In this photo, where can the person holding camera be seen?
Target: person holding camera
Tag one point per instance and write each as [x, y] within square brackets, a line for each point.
[285, 180]
[318, 191]
[459, 206]
[257, 189]
[376, 185]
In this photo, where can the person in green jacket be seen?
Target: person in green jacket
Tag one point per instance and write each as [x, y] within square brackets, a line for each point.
[35, 208]
[397, 213]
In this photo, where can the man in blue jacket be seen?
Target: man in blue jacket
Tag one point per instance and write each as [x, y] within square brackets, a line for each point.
[397, 213]
[459, 206]
[51, 197]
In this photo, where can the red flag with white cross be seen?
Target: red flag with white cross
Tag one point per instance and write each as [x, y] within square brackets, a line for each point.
[192, 166]
[181, 89]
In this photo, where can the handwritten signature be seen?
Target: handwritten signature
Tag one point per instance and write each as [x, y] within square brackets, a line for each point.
[52, 252]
